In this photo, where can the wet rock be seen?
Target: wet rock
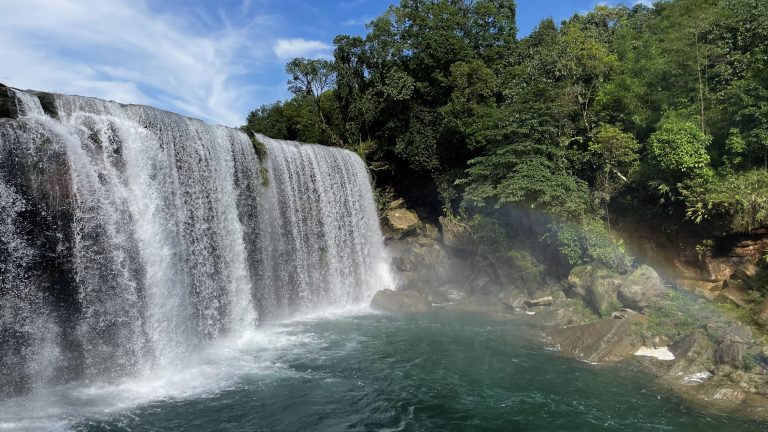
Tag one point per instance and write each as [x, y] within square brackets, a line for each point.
[400, 302]
[8, 107]
[48, 103]
[641, 288]
[457, 235]
[720, 393]
[694, 355]
[598, 342]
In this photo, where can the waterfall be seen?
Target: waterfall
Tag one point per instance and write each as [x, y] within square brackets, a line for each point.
[131, 236]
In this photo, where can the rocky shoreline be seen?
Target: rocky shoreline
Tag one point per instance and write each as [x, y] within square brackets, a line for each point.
[690, 343]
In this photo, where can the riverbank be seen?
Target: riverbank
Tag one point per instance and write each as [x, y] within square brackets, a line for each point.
[692, 345]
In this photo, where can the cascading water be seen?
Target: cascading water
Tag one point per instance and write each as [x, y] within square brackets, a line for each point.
[131, 235]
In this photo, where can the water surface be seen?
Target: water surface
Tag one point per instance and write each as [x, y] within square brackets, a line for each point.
[433, 372]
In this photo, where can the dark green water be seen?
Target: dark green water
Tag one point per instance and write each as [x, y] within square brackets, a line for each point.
[431, 373]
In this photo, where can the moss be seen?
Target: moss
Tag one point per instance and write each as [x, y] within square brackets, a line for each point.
[258, 146]
[613, 306]
[264, 172]
[674, 316]
[261, 151]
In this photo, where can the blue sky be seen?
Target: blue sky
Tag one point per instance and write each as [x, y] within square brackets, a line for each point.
[214, 60]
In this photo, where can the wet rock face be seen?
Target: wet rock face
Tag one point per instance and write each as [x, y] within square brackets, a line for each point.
[8, 107]
[641, 288]
[400, 302]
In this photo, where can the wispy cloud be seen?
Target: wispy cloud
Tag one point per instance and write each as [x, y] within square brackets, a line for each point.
[648, 3]
[360, 21]
[126, 51]
[351, 3]
[289, 48]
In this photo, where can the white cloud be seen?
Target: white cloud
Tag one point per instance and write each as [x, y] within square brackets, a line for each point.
[286, 49]
[127, 52]
[648, 3]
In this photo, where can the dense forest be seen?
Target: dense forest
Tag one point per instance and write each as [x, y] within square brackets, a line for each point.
[640, 109]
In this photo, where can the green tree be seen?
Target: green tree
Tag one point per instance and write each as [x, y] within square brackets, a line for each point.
[677, 152]
[312, 78]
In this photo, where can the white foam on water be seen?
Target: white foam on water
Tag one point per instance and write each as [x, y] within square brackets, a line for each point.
[661, 353]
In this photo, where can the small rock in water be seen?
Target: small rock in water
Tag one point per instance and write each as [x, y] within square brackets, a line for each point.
[658, 353]
[544, 301]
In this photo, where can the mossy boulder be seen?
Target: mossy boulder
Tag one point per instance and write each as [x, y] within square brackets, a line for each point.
[597, 286]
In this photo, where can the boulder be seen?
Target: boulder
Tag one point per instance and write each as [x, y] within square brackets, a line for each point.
[400, 302]
[402, 221]
[730, 353]
[640, 288]
[456, 234]
[598, 287]
[598, 342]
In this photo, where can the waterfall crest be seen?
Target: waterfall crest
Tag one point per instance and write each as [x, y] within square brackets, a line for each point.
[131, 235]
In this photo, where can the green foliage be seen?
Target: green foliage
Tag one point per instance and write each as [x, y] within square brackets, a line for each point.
[678, 152]
[616, 152]
[739, 201]
[749, 362]
[591, 241]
